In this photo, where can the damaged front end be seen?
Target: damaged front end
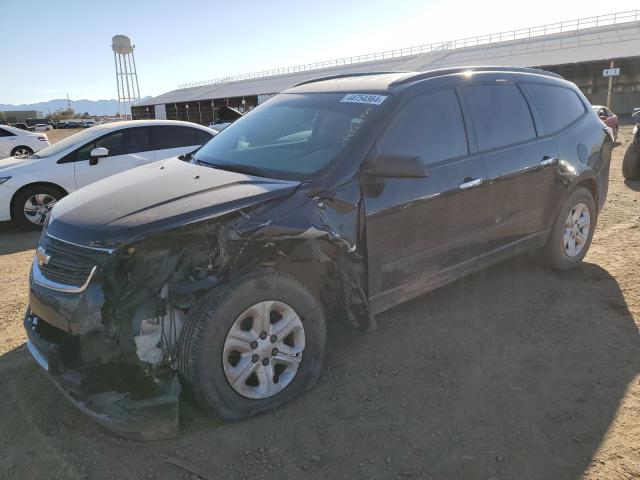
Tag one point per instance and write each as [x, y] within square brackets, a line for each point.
[105, 317]
[105, 324]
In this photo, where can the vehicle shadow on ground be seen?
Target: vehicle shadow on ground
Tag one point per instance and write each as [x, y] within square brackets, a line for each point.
[14, 239]
[515, 372]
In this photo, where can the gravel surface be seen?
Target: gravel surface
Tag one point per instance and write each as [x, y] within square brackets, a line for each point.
[517, 372]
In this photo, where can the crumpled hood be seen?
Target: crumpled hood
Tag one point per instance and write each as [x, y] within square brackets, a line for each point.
[153, 198]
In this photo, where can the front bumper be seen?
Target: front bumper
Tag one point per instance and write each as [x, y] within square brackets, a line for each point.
[118, 395]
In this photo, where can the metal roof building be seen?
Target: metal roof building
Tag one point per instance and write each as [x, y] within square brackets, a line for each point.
[577, 49]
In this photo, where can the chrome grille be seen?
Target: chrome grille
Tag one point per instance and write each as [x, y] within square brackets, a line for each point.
[69, 264]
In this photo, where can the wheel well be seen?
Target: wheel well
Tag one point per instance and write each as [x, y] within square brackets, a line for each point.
[21, 146]
[35, 184]
[317, 277]
[590, 185]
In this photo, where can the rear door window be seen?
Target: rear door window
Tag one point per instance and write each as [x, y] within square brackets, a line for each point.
[138, 140]
[500, 114]
[175, 137]
[431, 126]
[558, 106]
[6, 133]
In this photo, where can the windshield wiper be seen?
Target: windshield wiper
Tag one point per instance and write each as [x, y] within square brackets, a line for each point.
[233, 167]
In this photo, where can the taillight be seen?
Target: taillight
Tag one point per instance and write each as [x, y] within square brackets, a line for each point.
[43, 138]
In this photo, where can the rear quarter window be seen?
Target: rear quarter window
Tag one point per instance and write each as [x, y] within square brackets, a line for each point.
[202, 136]
[558, 106]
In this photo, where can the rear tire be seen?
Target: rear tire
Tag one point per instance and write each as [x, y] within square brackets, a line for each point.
[21, 150]
[572, 231]
[31, 206]
[631, 161]
[206, 360]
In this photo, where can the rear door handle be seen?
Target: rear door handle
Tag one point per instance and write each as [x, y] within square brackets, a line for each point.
[546, 161]
[470, 183]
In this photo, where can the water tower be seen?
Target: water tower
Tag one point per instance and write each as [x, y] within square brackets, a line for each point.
[126, 76]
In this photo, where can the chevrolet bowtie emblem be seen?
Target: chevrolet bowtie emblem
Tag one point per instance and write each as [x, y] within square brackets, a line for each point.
[42, 256]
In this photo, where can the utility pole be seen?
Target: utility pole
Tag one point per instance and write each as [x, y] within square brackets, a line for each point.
[610, 89]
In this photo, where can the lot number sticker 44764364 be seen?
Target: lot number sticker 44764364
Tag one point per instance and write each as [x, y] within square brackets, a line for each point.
[363, 98]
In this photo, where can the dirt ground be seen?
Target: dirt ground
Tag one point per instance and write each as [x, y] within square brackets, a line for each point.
[57, 135]
[517, 372]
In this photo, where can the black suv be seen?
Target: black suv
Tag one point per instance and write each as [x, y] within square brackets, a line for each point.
[340, 197]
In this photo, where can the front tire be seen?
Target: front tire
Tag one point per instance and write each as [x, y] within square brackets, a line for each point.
[572, 231]
[31, 206]
[252, 345]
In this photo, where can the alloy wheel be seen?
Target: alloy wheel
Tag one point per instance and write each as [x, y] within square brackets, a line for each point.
[576, 230]
[37, 207]
[263, 349]
[21, 152]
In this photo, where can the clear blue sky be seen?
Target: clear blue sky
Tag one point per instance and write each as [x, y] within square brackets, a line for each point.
[54, 47]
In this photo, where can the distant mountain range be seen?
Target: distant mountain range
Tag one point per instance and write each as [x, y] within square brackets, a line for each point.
[93, 107]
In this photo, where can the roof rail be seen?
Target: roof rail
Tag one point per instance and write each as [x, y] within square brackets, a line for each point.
[344, 75]
[454, 70]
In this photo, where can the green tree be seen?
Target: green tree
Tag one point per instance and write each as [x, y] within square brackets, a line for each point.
[62, 114]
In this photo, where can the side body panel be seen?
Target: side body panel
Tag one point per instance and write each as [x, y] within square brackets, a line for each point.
[413, 242]
[418, 227]
[520, 175]
[8, 141]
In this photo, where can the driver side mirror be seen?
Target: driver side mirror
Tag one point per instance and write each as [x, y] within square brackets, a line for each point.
[396, 165]
[96, 154]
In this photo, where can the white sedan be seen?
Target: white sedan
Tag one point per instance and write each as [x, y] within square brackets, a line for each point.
[31, 184]
[15, 141]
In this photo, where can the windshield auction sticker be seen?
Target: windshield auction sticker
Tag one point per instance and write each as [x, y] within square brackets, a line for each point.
[363, 98]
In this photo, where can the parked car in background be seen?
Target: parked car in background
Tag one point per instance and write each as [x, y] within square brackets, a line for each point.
[64, 124]
[609, 118]
[32, 122]
[31, 185]
[218, 127]
[42, 127]
[341, 197]
[21, 126]
[631, 161]
[225, 117]
[17, 142]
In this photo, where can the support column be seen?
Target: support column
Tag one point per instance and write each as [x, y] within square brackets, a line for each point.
[610, 90]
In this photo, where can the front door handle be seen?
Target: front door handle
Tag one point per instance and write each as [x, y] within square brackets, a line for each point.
[546, 161]
[470, 183]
